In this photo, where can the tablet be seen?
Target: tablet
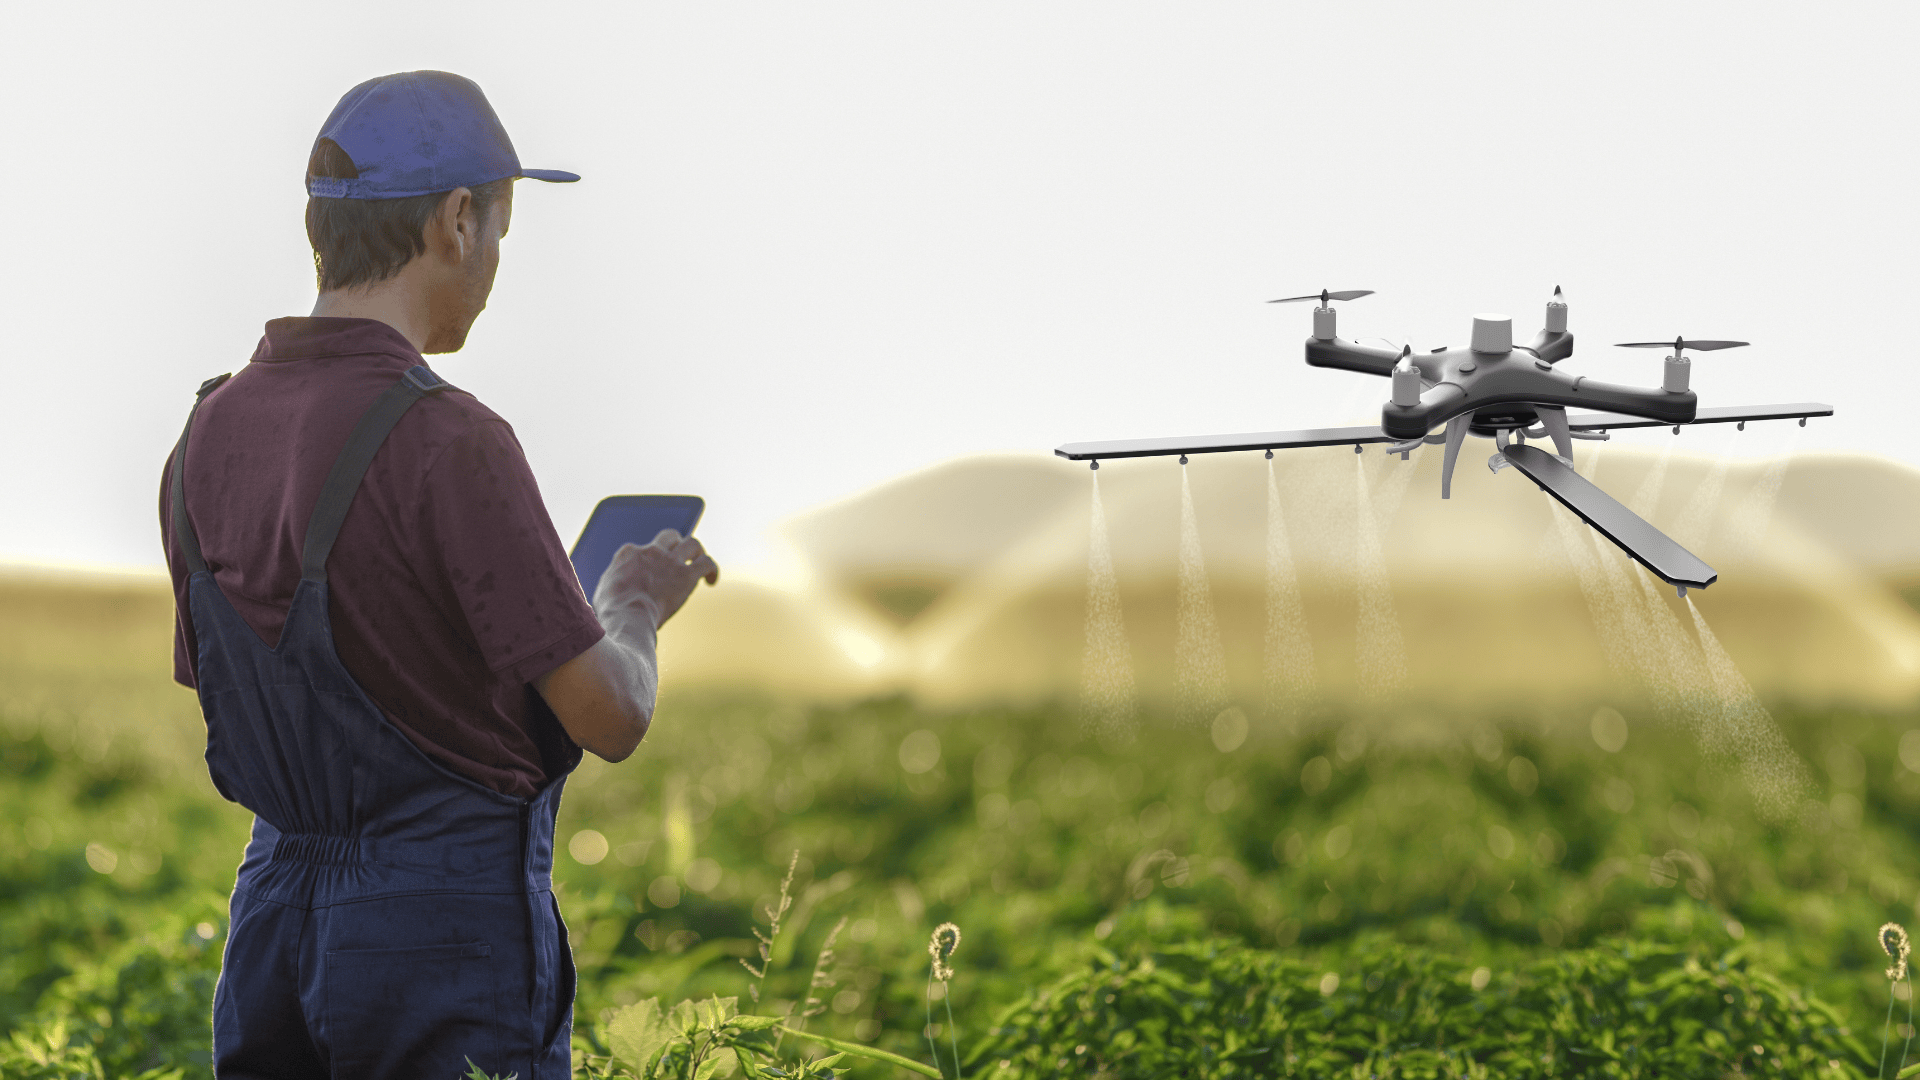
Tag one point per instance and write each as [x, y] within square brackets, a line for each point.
[629, 519]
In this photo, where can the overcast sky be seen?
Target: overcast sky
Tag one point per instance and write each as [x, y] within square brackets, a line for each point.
[819, 245]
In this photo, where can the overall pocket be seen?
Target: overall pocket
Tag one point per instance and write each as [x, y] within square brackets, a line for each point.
[556, 1054]
[411, 1012]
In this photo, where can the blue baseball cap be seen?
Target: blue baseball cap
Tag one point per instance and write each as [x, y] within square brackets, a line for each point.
[419, 133]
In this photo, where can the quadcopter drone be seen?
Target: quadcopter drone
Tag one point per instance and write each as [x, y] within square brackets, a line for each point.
[1494, 389]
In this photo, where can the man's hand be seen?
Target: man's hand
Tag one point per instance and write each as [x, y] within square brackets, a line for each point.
[656, 578]
[604, 697]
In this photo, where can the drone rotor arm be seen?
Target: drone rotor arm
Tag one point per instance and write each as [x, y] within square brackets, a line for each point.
[1352, 356]
[1551, 347]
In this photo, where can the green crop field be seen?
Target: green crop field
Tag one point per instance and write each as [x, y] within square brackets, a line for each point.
[1397, 893]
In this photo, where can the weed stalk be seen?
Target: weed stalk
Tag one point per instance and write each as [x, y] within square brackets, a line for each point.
[774, 913]
[946, 939]
[822, 977]
[1893, 939]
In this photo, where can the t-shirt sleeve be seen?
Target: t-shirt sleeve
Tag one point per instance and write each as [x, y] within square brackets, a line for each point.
[485, 523]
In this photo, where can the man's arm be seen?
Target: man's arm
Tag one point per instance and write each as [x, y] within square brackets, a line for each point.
[604, 697]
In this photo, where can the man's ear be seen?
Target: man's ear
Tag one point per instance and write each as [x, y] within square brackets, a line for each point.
[457, 229]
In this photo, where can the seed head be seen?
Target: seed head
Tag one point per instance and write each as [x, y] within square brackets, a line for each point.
[1893, 938]
[942, 951]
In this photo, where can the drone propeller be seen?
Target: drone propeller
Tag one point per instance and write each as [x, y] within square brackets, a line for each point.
[1323, 296]
[1682, 343]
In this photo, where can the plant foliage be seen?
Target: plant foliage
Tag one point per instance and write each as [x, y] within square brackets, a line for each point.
[1628, 903]
[1390, 1011]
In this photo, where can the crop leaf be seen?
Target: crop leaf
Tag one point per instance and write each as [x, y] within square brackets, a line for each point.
[637, 1033]
[716, 1011]
[683, 1020]
[475, 1072]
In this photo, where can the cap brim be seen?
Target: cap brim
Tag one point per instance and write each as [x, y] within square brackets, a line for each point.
[551, 176]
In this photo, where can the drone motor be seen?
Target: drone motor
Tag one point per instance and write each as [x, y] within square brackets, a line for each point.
[1557, 313]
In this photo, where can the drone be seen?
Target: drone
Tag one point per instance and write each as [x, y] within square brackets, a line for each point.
[1494, 389]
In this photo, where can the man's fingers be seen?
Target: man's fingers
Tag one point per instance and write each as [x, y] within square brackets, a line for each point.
[666, 538]
[687, 550]
[694, 554]
[705, 567]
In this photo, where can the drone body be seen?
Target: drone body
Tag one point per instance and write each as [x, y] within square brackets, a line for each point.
[1495, 390]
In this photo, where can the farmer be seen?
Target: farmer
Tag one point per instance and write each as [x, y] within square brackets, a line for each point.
[394, 659]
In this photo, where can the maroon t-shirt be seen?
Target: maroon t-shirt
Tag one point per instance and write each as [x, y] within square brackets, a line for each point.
[448, 590]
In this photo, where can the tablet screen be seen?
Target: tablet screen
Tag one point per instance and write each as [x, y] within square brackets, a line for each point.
[629, 519]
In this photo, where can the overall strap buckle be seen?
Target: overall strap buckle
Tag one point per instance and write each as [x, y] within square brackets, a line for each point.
[422, 378]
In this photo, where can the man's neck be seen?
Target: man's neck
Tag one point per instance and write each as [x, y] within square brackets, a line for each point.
[392, 302]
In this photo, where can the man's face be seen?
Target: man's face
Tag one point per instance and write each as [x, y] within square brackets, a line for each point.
[461, 293]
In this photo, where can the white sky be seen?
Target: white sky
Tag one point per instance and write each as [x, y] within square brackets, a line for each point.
[819, 245]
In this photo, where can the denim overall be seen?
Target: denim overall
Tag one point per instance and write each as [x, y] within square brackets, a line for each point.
[391, 918]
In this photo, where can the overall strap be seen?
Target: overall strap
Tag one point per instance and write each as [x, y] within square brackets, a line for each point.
[183, 528]
[330, 511]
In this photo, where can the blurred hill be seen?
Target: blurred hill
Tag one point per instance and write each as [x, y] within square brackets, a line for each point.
[967, 582]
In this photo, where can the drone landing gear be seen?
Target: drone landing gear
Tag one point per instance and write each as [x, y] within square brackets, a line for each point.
[1499, 460]
[1555, 421]
[1456, 434]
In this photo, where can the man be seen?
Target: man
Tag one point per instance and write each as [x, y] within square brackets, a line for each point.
[394, 659]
